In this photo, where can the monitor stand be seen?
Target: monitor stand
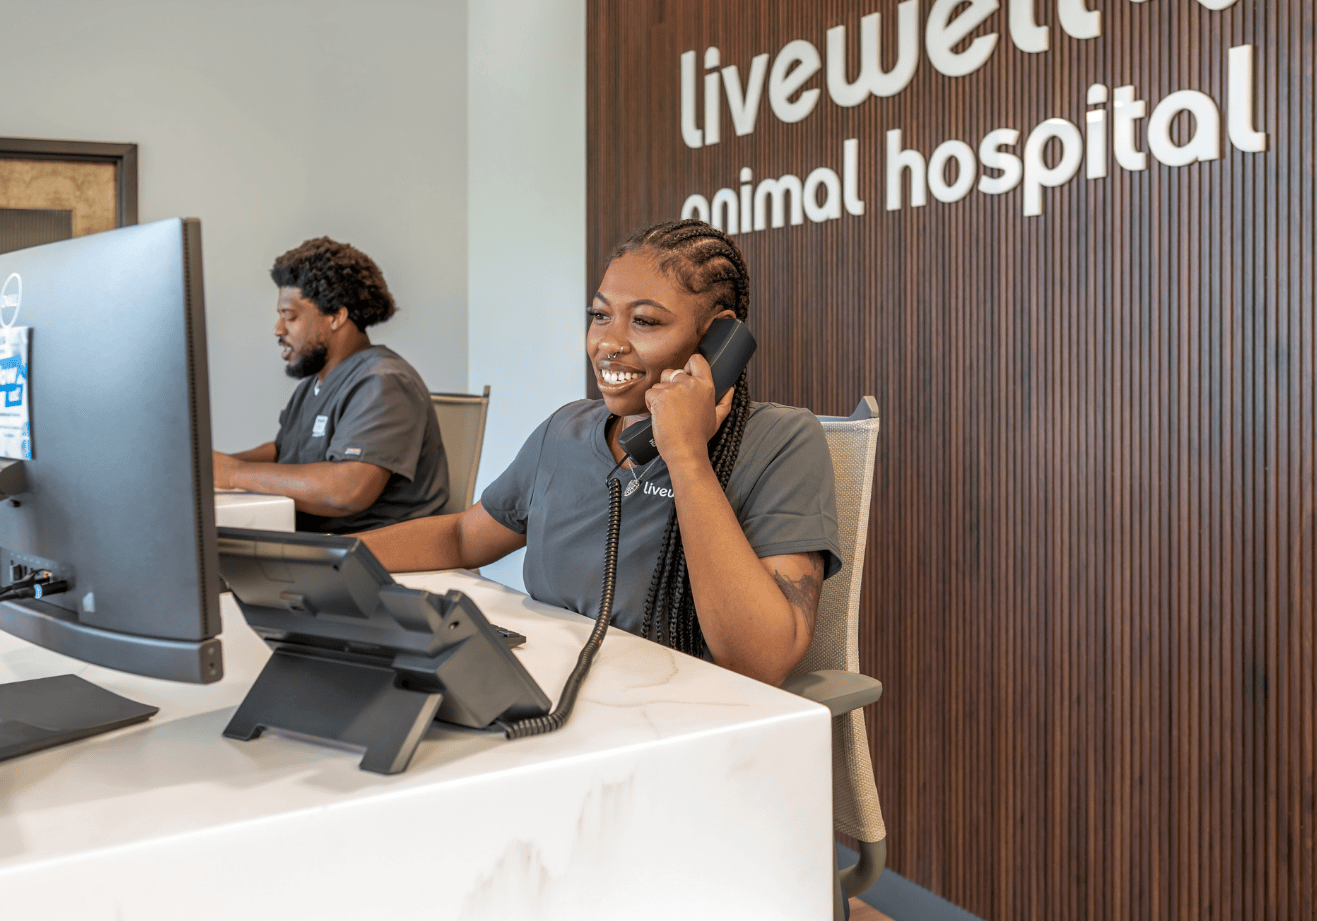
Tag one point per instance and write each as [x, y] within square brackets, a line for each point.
[59, 630]
[44, 712]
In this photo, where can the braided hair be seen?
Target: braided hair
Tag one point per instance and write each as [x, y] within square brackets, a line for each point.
[707, 263]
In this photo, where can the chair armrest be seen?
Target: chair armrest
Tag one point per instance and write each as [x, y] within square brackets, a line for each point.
[841, 692]
[857, 879]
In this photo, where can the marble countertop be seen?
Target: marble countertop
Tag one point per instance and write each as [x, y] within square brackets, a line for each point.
[237, 509]
[658, 741]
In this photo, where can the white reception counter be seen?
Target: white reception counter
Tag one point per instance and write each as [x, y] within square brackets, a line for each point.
[252, 510]
[677, 790]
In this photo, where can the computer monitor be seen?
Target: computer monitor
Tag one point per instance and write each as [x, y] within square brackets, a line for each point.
[116, 499]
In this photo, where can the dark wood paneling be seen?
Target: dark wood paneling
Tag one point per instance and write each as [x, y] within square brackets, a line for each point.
[1090, 582]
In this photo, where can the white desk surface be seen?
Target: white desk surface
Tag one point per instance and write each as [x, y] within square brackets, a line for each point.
[676, 790]
[234, 509]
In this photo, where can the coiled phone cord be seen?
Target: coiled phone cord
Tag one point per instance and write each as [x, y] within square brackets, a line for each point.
[538, 725]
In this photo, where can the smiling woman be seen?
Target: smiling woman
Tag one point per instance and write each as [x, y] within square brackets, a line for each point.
[724, 549]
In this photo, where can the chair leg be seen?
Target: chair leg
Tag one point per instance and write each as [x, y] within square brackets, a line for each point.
[873, 857]
[841, 910]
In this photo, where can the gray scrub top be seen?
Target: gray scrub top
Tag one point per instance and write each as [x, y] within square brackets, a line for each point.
[372, 407]
[554, 492]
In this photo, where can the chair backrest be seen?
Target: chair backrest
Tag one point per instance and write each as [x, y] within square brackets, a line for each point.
[462, 427]
[853, 443]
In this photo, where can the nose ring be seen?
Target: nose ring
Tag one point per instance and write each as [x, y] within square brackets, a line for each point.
[612, 356]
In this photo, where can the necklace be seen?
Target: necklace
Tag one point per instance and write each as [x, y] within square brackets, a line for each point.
[635, 480]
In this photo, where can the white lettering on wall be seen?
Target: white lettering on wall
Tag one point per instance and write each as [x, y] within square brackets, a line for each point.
[1025, 31]
[780, 192]
[1185, 126]
[1124, 122]
[1095, 133]
[795, 64]
[746, 178]
[994, 157]
[1204, 144]
[1239, 101]
[785, 200]
[691, 135]
[900, 160]
[1078, 20]
[949, 41]
[967, 169]
[850, 172]
[743, 103]
[873, 80]
[830, 208]
[712, 93]
[1037, 174]
[949, 23]
[695, 206]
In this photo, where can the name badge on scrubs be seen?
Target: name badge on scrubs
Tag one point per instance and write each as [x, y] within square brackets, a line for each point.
[319, 430]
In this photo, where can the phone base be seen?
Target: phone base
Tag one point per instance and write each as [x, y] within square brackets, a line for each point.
[353, 704]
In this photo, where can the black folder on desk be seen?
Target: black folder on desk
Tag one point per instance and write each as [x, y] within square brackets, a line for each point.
[45, 712]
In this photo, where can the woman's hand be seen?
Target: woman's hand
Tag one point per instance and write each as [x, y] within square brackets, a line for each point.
[685, 416]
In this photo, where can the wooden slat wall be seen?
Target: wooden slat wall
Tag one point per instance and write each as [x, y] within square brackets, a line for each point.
[1090, 585]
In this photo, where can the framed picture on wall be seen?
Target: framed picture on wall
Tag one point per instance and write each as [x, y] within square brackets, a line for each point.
[55, 190]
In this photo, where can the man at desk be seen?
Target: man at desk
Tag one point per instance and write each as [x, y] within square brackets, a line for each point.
[358, 443]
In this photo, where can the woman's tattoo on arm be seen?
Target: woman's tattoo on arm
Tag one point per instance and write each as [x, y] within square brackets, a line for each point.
[803, 593]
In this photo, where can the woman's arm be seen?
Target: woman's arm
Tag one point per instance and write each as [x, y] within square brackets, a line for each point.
[757, 615]
[462, 541]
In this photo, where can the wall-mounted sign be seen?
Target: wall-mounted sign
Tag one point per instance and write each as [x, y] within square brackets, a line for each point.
[786, 86]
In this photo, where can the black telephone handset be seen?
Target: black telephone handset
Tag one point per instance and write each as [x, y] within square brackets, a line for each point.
[727, 346]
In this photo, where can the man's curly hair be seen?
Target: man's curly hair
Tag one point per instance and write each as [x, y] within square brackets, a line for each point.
[333, 275]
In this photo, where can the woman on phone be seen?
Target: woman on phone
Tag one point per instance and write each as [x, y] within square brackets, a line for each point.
[726, 536]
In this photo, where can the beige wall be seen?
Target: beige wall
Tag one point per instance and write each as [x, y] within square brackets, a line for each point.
[272, 122]
[445, 139]
[526, 243]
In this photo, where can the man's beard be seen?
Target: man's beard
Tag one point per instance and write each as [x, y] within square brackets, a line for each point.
[312, 360]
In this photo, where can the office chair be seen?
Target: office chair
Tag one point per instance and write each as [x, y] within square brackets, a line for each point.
[830, 671]
[462, 427]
